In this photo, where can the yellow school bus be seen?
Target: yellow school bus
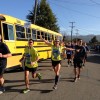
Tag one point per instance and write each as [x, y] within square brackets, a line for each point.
[15, 34]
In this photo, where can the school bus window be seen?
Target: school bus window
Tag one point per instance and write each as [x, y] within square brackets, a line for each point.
[46, 37]
[49, 37]
[20, 32]
[33, 34]
[56, 37]
[8, 32]
[42, 33]
[5, 31]
[52, 37]
[28, 33]
[59, 38]
[38, 34]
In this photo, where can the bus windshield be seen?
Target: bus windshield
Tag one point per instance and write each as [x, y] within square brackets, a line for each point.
[8, 32]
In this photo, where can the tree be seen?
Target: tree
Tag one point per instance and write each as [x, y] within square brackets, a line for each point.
[93, 40]
[44, 16]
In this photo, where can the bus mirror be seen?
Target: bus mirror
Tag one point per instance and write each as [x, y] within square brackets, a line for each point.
[2, 18]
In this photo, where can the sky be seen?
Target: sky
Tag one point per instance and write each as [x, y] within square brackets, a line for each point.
[84, 13]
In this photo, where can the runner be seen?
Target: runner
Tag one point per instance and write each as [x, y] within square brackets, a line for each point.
[56, 58]
[69, 54]
[86, 52]
[4, 54]
[78, 60]
[31, 58]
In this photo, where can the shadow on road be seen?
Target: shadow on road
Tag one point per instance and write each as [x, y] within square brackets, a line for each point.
[42, 91]
[94, 59]
[70, 79]
[20, 84]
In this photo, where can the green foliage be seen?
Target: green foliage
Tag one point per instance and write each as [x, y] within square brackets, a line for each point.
[93, 40]
[44, 16]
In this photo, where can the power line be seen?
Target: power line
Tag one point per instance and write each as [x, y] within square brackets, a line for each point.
[95, 2]
[75, 3]
[88, 30]
[76, 11]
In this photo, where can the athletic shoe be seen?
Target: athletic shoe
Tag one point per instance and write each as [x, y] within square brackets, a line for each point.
[68, 65]
[2, 89]
[83, 64]
[75, 80]
[39, 76]
[71, 63]
[26, 90]
[55, 87]
[78, 76]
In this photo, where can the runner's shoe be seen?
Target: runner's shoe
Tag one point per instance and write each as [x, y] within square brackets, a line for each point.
[2, 89]
[68, 65]
[39, 76]
[55, 87]
[78, 76]
[75, 80]
[26, 90]
[71, 63]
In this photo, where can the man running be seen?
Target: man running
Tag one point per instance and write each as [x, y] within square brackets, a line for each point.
[4, 54]
[78, 60]
[56, 58]
[31, 58]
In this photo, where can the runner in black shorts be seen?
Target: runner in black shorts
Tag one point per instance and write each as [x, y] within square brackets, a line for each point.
[33, 70]
[78, 60]
[86, 52]
[55, 63]
[56, 57]
[69, 54]
[31, 57]
[4, 54]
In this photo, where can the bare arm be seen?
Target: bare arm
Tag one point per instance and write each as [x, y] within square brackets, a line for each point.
[47, 42]
[23, 58]
[65, 48]
[7, 55]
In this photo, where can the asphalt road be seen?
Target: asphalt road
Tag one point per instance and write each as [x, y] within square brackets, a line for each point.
[87, 88]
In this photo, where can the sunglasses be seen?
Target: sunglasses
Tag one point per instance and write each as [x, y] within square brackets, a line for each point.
[30, 42]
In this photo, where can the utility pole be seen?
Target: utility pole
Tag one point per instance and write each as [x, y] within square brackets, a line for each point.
[35, 10]
[77, 34]
[72, 29]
